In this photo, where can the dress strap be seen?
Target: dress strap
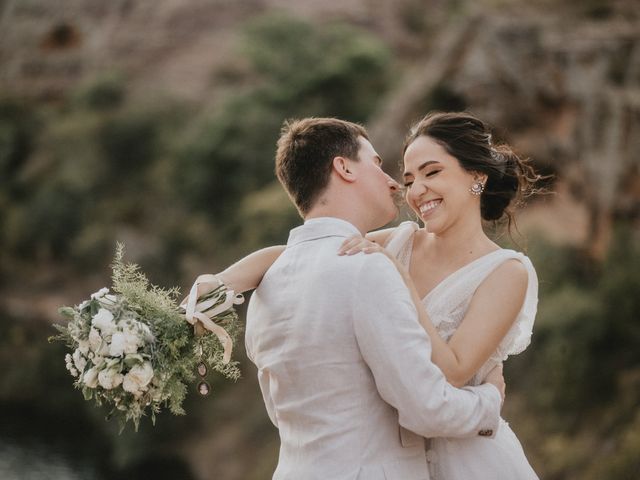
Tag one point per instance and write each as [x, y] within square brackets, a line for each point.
[456, 291]
[519, 336]
[400, 242]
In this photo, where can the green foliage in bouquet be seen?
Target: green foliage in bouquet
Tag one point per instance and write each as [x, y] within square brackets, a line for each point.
[134, 351]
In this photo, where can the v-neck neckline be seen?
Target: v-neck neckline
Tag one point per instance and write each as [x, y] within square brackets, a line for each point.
[457, 271]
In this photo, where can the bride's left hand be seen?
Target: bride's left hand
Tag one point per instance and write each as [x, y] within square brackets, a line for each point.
[357, 244]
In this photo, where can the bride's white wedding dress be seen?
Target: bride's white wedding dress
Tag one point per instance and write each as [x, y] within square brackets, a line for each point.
[476, 458]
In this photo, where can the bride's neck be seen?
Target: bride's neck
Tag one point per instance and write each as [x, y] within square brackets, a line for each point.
[462, 240]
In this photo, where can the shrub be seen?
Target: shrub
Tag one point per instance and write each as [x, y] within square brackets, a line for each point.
[302, 70]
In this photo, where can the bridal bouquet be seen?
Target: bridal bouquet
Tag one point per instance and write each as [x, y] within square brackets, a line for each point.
[134, 349]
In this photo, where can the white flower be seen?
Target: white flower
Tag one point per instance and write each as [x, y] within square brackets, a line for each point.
[108, 300]
[84, 305]
[109, 378]
[104, 321]
[98, 361]
[69, 364]
[75, 331]
[90, 377]
[100, 293]
[138, 378]
[116, 348]
[104, 350]
[95, 340]
[124, 342]
[79, 361]
[83, 346]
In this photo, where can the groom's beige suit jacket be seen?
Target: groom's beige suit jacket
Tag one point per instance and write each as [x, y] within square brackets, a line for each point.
[345, 368]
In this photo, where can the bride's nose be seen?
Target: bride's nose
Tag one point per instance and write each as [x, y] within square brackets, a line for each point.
[417, 188]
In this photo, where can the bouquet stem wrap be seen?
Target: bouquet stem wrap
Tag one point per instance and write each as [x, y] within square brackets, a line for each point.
[210, 305]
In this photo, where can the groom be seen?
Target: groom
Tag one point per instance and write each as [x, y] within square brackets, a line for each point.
[343, 364]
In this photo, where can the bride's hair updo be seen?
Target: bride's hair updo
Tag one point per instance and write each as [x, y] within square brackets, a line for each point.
[509, 178]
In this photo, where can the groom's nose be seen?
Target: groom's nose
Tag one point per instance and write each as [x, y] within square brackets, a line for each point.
[393, 185]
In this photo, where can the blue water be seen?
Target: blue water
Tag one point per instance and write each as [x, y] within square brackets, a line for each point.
[40, 462]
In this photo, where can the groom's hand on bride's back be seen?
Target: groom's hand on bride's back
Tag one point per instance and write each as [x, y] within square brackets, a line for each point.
[496, 378]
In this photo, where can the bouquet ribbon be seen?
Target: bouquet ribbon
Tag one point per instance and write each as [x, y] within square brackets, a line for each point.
[204, 312]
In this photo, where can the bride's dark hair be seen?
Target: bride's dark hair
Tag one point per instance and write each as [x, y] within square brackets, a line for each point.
[510, 179]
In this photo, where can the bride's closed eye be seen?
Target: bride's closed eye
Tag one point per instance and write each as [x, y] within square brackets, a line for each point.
[427, 174]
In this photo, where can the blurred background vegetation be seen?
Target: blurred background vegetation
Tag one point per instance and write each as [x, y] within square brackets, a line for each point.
[154, 122]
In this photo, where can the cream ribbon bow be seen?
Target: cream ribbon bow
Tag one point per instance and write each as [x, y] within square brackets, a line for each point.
[195, 311]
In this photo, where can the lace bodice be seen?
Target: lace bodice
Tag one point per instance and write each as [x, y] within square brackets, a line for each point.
[448, 302]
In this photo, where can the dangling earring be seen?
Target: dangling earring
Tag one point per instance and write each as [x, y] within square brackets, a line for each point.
[477, 188]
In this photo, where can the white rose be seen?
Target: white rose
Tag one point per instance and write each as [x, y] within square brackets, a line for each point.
[109, 378]
[79, 361]
[104, 321]
[90, 377]
[125, 342]
[95, 340]
[100, 293]
[116, 348]
[138, 378]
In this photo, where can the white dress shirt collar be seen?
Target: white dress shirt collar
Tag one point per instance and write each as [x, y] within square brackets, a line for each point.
[321, 227]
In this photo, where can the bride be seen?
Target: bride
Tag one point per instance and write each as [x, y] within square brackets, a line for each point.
[476, 300]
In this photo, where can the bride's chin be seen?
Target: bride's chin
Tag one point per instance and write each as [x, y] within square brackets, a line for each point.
[431, 226]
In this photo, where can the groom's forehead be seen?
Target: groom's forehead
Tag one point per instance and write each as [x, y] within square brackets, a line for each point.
[367, 151]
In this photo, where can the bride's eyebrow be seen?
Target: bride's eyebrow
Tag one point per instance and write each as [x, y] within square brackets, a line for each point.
[421, 167]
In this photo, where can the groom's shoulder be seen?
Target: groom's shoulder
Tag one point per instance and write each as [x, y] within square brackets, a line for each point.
[328, 266]
[371, 266]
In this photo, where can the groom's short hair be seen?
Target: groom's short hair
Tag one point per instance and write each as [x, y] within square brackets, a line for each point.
[306, 149]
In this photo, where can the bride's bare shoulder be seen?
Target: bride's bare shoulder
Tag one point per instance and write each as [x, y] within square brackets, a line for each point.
[422, 239]
[383, 236]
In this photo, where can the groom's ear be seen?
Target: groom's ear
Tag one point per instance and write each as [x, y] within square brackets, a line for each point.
[341, 165]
